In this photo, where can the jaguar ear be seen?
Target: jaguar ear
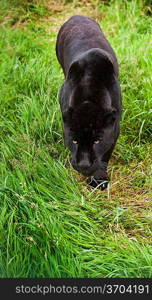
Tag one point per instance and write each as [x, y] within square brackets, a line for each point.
[75, 71]
[102, 65]
[67, 114]
[109, 116]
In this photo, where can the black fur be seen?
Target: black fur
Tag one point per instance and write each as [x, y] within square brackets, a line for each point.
[90, 97]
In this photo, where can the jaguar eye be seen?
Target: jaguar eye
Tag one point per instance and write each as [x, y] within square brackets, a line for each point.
[97, 142]
[74, 142]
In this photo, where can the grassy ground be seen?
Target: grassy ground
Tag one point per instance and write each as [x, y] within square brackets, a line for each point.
[51, 223]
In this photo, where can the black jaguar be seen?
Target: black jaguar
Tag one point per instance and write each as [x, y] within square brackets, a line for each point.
[90, 97]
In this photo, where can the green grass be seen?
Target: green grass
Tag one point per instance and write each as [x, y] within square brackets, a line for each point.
[51, 223]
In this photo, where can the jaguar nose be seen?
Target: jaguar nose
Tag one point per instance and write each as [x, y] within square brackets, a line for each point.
[84, 167]
[84, 164]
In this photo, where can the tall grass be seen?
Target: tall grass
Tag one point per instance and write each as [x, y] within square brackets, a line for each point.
[52, 223]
